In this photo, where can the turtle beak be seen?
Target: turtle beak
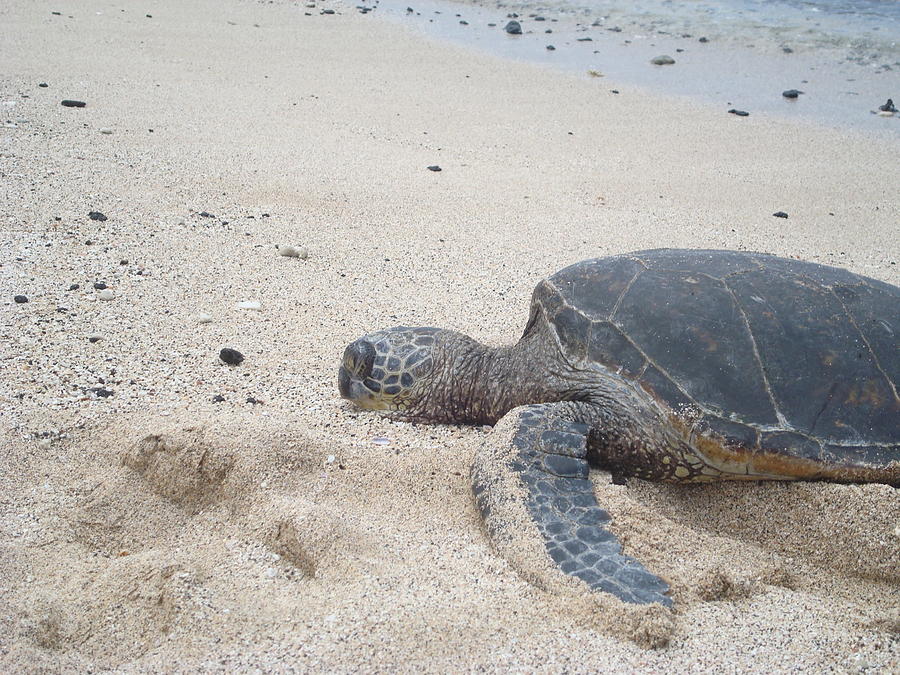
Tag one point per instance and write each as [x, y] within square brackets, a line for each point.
[344, 382]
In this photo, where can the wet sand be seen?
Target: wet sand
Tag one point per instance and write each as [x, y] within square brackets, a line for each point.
[145, 526]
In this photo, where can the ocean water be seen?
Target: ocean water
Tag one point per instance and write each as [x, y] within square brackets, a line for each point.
[844, 55]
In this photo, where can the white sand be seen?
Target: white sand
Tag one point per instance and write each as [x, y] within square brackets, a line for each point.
[238, 544]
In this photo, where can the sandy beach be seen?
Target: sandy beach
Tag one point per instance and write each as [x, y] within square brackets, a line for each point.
[163, 511]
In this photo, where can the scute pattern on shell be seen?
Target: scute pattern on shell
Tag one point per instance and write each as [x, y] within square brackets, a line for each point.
[762, 353]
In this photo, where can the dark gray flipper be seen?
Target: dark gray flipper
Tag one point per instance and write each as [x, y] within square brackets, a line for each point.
[545, 455]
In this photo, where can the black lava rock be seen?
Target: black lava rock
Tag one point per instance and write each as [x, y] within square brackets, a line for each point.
[327, 11]
[101, 392]
[513, 28]
[791, 93]
[74, 287]
[96, 215]
[231, 356]
[99, 285]
[780, 214]
[218, 398]
[551, 48]
[20, 299]
[703, 39]
[739, 113]
[888, 107]
[464, 23]
[585, 39]
[43, 84]
[94, 338]
[434, 167]
[73, 104]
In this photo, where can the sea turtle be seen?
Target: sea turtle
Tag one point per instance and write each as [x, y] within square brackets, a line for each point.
[665, 365]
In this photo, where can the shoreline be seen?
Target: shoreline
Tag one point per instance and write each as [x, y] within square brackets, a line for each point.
[725, 71]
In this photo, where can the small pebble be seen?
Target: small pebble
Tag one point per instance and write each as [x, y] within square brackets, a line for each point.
[43, 84]
[664, 60]
[780, 214]
[513, 28]
[74, 287]
[739, 113]
[96, 215]
[106, 130]
[381, 440]
[73, 104]
[293, 252]
[551, 48]
[218, 398]
[791, 93]
[434, 167]
[327, 11]
[96, 337]
[20, 299]
[101, 392]
[106, 294]
[888, 107]
[703, 39]
[231, 356]
[203, 318]
[255, 305]
[99, 285]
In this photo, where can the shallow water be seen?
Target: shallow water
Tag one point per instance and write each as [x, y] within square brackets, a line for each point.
[843, 55]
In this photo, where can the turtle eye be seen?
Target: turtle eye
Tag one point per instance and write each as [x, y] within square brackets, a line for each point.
[359, 358]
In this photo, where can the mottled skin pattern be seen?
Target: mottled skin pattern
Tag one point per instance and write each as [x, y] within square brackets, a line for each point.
[667, 365]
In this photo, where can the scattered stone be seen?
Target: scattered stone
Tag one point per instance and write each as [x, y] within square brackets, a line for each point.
[664, 60]
[106, 295]
[539, 18]
[254, 305]
[101, 392]
[703, 39]
[586, 39]
[464, 23]
[73, 104]
[293, 252]
[99, 285]
[513, 28]
[614, 91]
[203, 318]
[106, 131]
[231, 356]
[551, 48]
[96, 215]
[434, 167]
[206, 214]
[74, 287]
[20, 299]
[739, 113]
[327, 11]
[780, 214]
[43, 84]
[96, 337]
[888, 107]
[787, 50]
[791, 93]
[218, 398]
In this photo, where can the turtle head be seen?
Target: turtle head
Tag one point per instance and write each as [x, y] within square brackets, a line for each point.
[389, 370]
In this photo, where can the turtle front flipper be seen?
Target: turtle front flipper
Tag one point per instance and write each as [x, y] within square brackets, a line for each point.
[532, 477]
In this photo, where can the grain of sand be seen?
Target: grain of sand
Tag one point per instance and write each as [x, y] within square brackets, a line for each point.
[155, 529]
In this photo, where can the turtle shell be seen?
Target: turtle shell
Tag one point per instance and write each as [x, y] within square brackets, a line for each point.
[759, 352]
